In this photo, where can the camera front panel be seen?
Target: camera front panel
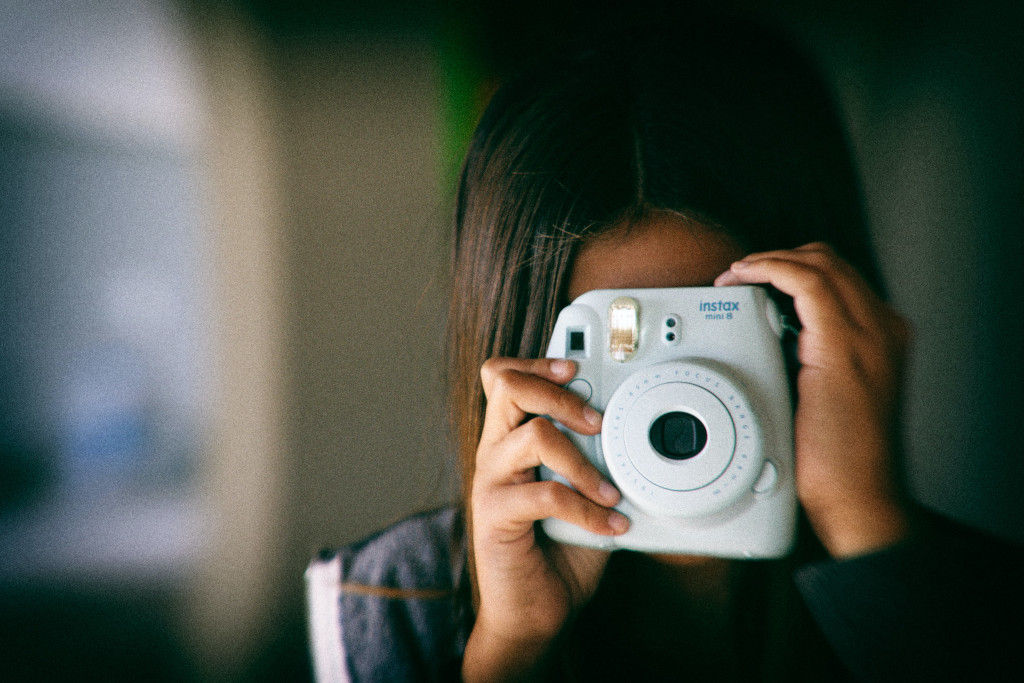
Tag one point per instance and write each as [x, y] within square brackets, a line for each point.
[681, 440]
[697, 431]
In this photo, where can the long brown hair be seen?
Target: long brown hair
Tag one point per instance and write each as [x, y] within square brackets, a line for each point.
[717, 120]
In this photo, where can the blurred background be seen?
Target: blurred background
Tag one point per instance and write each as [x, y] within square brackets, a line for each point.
[223, 239]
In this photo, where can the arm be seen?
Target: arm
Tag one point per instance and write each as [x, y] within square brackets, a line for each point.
[906, 597]
[945, 605]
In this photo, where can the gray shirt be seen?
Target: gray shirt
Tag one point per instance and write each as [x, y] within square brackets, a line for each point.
[947, 606]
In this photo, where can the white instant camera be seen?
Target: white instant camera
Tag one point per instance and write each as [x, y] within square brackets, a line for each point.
[698, 424]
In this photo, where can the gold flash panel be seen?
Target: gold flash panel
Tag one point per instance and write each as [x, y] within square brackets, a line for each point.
[624, 328]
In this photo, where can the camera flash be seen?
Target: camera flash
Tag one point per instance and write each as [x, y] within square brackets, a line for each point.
[623, 323]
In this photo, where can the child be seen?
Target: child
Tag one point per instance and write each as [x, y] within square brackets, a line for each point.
[690, 155]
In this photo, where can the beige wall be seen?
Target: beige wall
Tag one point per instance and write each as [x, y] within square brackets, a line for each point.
[232, 594]
[365, 286]
[327, 231]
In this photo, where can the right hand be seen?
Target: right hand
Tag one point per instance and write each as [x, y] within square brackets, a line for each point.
[529, 586]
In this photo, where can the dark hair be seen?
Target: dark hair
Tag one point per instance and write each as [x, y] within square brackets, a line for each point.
[716, 120]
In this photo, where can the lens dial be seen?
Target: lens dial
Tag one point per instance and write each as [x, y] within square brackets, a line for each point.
[680, 439]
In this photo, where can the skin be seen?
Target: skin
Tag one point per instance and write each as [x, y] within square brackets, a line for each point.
[851, 350]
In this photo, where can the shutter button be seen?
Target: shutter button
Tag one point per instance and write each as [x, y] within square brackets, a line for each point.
[581, 388]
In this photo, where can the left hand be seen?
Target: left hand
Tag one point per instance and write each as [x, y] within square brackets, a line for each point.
[851, 350]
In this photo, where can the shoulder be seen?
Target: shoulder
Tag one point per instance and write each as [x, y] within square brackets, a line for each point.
[424, 551]
[391, 607]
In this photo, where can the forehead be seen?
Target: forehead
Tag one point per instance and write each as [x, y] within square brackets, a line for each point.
[663, 250]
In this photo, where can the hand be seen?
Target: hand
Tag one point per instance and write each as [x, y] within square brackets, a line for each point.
[851, 351]
[529, 586]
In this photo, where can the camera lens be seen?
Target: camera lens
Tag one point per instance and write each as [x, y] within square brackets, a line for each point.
[678, 436]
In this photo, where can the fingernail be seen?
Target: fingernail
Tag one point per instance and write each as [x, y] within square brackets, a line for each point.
[592, 416]
[608, 493]
[618, 522]
[562, 367]
[740, 265]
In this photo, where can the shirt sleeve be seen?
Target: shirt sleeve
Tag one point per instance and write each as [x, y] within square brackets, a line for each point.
[389, 608]
[948, 605]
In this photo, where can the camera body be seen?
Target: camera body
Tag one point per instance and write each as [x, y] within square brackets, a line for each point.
[698, 422]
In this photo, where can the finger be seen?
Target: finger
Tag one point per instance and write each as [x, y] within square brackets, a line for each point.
[809, 250]
[538, 442]
[859, 302]
[850, 284]
[528, 503]
[817, 301]
[515, 395]
[816, 254]
[844, 322]
[852, 301]
[557, 370]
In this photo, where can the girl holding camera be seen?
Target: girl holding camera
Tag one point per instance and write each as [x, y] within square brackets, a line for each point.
[690, 155]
